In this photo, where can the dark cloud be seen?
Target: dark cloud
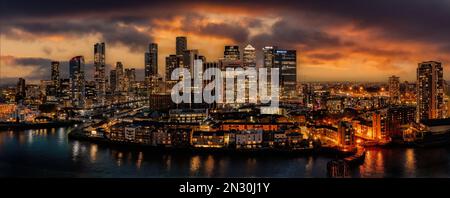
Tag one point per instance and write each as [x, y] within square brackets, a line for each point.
[284, 34]
[235, 32]
[113, 33]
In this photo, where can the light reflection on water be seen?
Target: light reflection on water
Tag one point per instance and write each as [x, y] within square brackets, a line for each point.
[48, 153]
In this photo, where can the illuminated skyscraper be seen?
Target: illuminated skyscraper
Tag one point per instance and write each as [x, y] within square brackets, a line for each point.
[231, 53]
[113, 80]
[20, 90]
[430, 91]
[249, 56]
[120, 83]
[55, 74]
[394, 89]
[181, 45]
[286, 61]
[76, 75]
[99, 75]
[151, 60]
[269, 56]
[189, 57]
[172, 62]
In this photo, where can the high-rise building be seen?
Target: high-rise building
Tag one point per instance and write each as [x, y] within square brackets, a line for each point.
[181, 45]
[113, 80]
[399, 117]
[249, 56]
[130, 73]
[172, 62]
[430, 91]
[99, 75]
[20, 90]
[286, 61]
[151, 60]
[379, 124]
[120, 86]
[76, 75]
[394, 89]
[188, 58]
[269, 56]
[231, 53]
[268, 62]
[129, 78]
[65, 92]
[55, 73]
[346, 135]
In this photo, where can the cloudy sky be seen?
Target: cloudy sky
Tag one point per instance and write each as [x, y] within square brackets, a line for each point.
[335, 40]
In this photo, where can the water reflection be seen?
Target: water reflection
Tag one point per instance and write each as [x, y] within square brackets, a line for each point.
[48, 153]
[93, 152]
[410, 162]
[195, 165]
[75, 150]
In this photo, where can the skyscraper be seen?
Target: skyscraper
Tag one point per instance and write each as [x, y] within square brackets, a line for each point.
[286, 61]
[394, 89]
[172, 62]
[231, 53]
[430, 91]
[113, 80]
[99, 75]
[181, 45]
[76, 75]
[249, 56]
[346, 135]
[55, 73]
[189, 57]
[20, 90]
[120, 84]
[269, 55]
[151, 60]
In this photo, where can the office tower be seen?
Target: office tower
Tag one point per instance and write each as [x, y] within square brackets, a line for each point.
[172, 62]
[129, 78]
[430, 91]
[286, 61]
[151, 60]
[90, 90]
[268, 63]
[181, 45]
[76, 75]
[269, 56]
[55, 73]
[131, 74]
[346, 135]
[188, 58]
[249, 56]
[231, 53]
[113, 80]
[65, 92]
[120, 84]
[394, 89]
[99, 75]
[20, 90]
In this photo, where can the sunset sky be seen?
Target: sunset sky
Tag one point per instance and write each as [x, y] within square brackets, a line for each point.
[335, 40]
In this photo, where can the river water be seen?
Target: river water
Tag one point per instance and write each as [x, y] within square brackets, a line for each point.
[48, 153]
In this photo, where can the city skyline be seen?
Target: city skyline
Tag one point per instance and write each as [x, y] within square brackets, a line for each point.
[335, 47]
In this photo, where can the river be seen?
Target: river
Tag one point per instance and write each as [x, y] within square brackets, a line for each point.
[48, 153]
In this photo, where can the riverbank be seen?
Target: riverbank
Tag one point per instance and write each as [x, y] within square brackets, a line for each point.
[323, 151]
[28, 125]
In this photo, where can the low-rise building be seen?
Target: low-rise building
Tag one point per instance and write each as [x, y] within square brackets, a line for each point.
[249, 139]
